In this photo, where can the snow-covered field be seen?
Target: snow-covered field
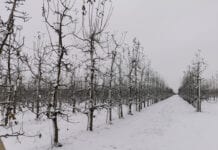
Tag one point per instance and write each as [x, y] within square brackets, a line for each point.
[172, 124]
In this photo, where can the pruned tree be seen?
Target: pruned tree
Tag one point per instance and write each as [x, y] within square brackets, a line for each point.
[136, 62]
[12, 74]
[133, 62]
[95, 19]
[37, 65]
[120, 84]
[113, 49]
[199, 67]
[61, 9]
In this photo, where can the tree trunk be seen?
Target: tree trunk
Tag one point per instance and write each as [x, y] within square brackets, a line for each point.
[92, 86]
[109, 111]
[74, 105]
[38, 92]
[90, 119]
[120, 110]
[130, 109]
[55, 127]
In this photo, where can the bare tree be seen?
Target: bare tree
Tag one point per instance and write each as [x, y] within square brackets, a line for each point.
[120, 81]
[37, 65]
[62, 11]
[135, 61]
[95, 19]
[199, 65]
[12, 77]
[130, 81]
[113, 56]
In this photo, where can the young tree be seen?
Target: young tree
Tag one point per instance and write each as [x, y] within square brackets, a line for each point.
[130, 81]
[37, 66]
[10, 44]
[61, 9]
[133, 61]
[199, 67]
[95, 19]
[120, 84]
[12, 76]
[113, 48]
[148, 83]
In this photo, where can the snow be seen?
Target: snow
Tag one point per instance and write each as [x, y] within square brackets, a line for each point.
[171, 124]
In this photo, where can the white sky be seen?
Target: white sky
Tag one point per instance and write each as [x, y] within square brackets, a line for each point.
[171, 31]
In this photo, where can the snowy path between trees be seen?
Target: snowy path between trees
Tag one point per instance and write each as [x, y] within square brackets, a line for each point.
[171, 124]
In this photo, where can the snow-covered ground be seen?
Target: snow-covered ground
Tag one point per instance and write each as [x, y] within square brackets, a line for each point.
[172, 124]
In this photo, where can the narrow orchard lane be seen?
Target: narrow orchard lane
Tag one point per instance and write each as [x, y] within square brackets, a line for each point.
[169, 125]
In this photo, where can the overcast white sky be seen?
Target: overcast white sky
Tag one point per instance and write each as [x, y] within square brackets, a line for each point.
[171, 31]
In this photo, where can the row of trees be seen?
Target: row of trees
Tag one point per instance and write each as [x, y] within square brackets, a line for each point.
[77, 61]
[211, 85]
[194, 87]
